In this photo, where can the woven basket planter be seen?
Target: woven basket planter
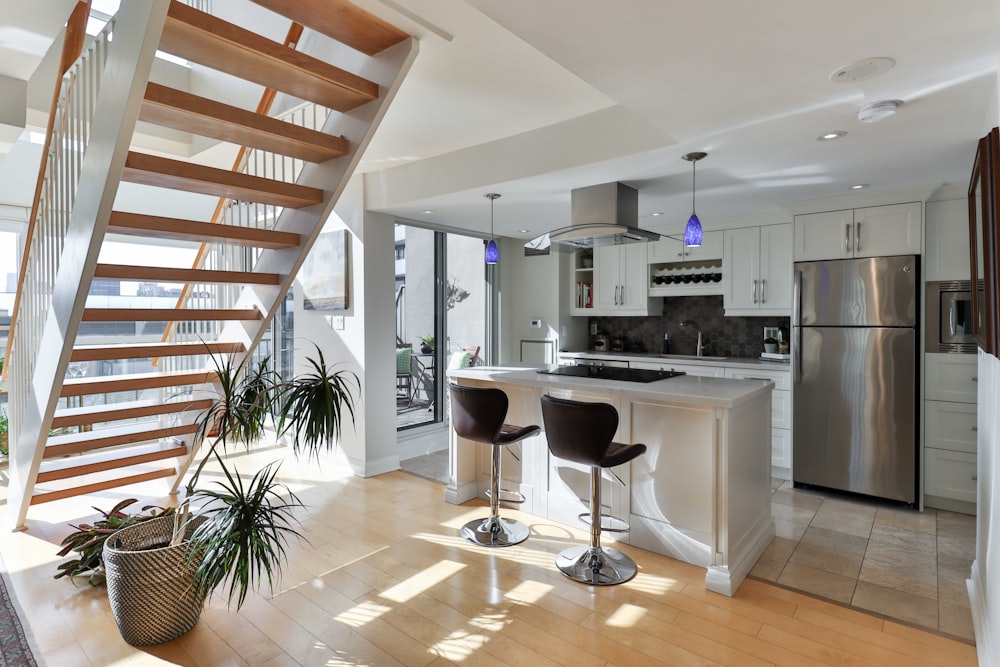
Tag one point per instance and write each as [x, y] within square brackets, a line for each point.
[152, 592]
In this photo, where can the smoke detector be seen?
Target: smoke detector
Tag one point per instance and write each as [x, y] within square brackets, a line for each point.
[876, 111]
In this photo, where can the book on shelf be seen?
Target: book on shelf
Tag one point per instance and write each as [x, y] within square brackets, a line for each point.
[584, 295]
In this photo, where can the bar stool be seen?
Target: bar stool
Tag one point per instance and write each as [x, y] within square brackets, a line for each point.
[477, 414]
[582, 433]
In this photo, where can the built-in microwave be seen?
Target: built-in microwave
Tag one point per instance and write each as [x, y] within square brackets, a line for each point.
[949, 317]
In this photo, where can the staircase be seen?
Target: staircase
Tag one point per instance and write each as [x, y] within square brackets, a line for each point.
[74, 433]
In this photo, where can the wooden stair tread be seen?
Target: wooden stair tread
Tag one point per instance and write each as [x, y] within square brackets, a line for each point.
[341, 20]
[134, 382]
[170, 314]
[88, 464]
[183, 111]
[179, 175]
[145, 350]
[213, 42]
[167, 274]
[136, 224]
[114, 483]
[76, 443]
[109, 412]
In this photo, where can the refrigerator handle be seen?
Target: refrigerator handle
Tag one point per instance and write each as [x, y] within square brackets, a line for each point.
[797, 328]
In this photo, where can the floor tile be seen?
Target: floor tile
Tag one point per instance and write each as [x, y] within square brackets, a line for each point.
[826, 584]
[768, 569]
[956, 620]
[843, 524]
[924, 522]
[891, 536]
[796, 498]
[953, 524]
[956, 547]
[848, 508]
[789, 529]
[915, 576]
[835, 541]
[792, 513]
[821, 558]
[780, 548]
[896, 604]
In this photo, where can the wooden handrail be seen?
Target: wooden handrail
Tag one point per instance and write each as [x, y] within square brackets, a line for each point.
[76, 34]
[263, 107]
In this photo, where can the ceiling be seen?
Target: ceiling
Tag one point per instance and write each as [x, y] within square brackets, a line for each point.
[532, 99]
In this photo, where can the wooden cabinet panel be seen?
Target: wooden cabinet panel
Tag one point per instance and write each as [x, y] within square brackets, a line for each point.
[950, 426]
[951, 377]
[823, 235]
[950, 474]
[946, 233]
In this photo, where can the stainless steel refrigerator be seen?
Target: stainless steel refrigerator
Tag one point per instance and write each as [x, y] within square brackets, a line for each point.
[854, 371]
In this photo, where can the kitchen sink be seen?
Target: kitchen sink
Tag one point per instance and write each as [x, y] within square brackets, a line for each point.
[691, 357]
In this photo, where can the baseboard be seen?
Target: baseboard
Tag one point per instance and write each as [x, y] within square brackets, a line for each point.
[726, 580]
[987, 642]
[456, 495]
[364, 468]
[950, 505]
[781, 473]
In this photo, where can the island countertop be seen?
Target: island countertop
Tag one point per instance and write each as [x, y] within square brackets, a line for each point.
[683, 389]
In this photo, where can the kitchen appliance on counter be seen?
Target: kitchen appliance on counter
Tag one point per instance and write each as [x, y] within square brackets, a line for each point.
[854, 373]
[948, 317]
[601, 343]
[611, 373]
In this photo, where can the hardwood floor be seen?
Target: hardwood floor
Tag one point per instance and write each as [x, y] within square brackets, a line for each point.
[386, 580]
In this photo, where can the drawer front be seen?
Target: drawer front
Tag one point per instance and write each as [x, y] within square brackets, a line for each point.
[950, 426]
[951, 377]
[781, 448]
[950, 474]
[703, 371]
[782, 379]
[781, 409]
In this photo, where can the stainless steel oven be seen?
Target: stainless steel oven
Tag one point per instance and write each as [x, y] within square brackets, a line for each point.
[948, 317]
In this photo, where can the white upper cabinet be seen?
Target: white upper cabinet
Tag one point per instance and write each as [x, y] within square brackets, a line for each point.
[620, 281]
[947, 240]
[669, 249]
[757, 270]
[862, 232]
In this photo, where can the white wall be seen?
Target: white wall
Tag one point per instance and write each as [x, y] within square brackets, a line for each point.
[366, 342]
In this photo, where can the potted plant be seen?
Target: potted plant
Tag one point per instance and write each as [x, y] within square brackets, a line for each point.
[160, 571]
[770, 344]
[426, 344]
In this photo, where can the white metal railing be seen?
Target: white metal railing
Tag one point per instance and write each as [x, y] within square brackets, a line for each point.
[73, 119]
[229, 257]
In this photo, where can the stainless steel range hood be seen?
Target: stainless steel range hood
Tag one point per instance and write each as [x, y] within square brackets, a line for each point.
[605, 214]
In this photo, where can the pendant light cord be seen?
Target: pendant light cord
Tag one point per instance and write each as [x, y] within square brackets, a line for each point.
[694, 182]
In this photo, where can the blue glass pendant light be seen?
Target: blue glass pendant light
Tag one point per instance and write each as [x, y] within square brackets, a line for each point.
[692, 232]
[492, 251]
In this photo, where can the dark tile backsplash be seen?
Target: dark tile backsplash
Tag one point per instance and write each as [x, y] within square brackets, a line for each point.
[722, 336]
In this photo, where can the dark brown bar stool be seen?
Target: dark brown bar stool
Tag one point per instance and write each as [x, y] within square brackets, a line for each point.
[582, 433]
[477, 414]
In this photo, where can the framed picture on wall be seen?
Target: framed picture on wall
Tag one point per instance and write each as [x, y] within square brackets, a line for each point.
[324, 275]
[983, 241]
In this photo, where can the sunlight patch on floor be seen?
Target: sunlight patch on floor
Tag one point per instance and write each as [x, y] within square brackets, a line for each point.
[420, 582]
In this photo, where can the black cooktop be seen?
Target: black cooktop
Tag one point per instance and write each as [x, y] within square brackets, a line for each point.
[611, 373]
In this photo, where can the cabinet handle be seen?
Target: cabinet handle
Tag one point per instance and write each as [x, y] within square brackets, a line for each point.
[975, 428]
[975, 379]
[763, 286]
[857, 237]
[847, 238]
[753, 291]
[975, 478]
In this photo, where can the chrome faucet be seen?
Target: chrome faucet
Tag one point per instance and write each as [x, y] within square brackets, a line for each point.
[700, 350]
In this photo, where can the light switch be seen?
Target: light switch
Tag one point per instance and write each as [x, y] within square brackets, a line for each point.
[536, 324]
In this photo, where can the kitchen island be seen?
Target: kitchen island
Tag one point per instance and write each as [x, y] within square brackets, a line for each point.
[701, 493]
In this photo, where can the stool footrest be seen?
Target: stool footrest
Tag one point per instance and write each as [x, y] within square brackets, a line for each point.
[514, 498]
[609, 523]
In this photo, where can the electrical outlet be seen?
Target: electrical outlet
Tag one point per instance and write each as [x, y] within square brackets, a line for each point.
[536, 324]
[593, 329]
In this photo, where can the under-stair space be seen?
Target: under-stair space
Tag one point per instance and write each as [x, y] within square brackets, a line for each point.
[118, 403]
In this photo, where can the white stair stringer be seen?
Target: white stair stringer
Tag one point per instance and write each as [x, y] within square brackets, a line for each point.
[36, 379]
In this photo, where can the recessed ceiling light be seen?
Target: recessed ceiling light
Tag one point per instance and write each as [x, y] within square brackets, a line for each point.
[428, 212]
[830, 136]
[860, 70]
[523, 231]
[859, 186]
[657, 214]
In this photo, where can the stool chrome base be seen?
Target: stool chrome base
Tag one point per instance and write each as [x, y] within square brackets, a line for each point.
[600, 566]
[495, 532]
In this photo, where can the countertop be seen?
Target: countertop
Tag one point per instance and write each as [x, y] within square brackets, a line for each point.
[685, 389]
[733, 362]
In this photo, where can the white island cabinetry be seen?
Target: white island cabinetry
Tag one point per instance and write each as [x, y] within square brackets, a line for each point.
[700, 493]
